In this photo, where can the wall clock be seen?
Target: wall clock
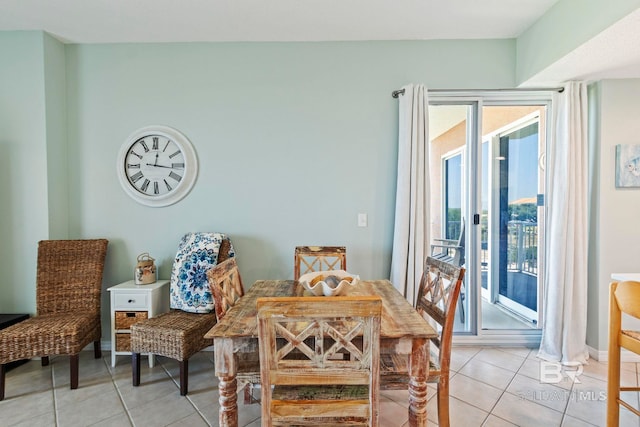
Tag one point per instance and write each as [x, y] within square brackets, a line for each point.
[157, 166]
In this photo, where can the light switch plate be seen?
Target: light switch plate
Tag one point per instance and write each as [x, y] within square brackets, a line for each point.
[362, 220]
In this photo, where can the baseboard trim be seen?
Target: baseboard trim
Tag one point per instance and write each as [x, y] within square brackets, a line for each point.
[603, 355]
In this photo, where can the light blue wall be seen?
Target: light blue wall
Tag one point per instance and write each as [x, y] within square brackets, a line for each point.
[567, 25]
[614, 219]
[56, 124]
[294, 140]
[23, 167]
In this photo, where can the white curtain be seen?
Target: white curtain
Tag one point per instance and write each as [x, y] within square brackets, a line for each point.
[411, 231]
[565, 302]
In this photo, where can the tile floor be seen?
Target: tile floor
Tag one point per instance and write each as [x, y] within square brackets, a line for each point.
[489, 387]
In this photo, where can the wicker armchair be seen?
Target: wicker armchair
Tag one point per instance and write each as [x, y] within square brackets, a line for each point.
[68, 292]
[178, 334]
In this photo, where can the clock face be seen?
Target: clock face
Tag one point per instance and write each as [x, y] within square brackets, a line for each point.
[157, 166]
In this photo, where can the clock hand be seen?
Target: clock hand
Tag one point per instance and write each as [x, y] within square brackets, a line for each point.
[159, 166]
[156, 163]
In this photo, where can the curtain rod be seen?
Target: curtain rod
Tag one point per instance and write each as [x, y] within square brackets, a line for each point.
[399, 92]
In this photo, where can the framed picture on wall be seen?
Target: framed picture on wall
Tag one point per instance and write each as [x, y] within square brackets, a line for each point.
[627, 165]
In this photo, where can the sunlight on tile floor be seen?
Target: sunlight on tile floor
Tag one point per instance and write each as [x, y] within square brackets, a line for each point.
[489, 387]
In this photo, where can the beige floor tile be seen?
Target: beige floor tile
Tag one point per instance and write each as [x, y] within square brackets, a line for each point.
[485, 391]
[598, 370]
[90, 411]
[460, 355]
[460, 413]
[525, 413]
[401, 397]
[588, 403]
[163, 411]
[569, 421]
[42, 420]
[532, 390]
[475, 392]
[392, 414]
[89, 388]
[28, 378]
[493, 421]
[17, 409]
[120, 420]
[517, 351]
[193, 420]
[488, 373]
[246, 413]
[500, 358]
[534, 368]
[206, 402]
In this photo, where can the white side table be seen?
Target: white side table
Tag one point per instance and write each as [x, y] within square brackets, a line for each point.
[129, 304]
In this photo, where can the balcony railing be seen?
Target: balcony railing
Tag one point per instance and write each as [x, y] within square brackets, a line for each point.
[522, 247]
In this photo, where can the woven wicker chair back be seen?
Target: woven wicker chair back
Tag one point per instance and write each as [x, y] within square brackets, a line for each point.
[69, 276]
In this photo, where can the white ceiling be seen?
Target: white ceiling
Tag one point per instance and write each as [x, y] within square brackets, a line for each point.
[615, 53]
[115, 21]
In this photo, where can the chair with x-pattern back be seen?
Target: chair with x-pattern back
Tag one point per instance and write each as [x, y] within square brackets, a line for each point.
[437, 298]
[226, 286]
[302, 383]
[308, 259]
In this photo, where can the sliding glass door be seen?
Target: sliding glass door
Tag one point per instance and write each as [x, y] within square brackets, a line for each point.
[513, 231]
[487, 171]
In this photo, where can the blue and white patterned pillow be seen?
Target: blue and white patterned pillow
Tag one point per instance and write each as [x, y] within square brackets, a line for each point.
[197, 253]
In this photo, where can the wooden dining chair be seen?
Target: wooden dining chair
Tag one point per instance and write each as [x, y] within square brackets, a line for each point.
[452, 251]
[624, 297]
[437, 297]
[318, 258]
[297, 338]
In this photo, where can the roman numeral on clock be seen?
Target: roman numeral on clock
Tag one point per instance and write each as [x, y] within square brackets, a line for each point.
[135, 154]
[136, 177]
[145, 185]
[175, 176]
[167, 184]
[155, 143]
[156, 190]
[171, 156]
[132, 166]
[177, 165]
[144, 145]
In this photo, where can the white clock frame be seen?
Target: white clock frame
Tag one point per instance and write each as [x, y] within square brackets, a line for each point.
[185, 184]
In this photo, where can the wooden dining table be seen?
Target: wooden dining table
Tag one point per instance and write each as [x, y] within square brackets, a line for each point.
[402, 332]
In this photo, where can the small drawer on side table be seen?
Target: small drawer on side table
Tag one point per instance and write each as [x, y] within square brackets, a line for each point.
[123, 341]
[131, 303]
[124, 319]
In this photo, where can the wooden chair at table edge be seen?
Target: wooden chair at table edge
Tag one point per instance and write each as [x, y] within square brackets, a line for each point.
[394, 371]
[357, 379]
[59, 292]
[624, 297]
[453, 252]
[188, 328]
[338, 254]
[320, 253]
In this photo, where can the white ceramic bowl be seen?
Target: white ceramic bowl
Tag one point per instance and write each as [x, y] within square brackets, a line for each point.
[330, 286]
